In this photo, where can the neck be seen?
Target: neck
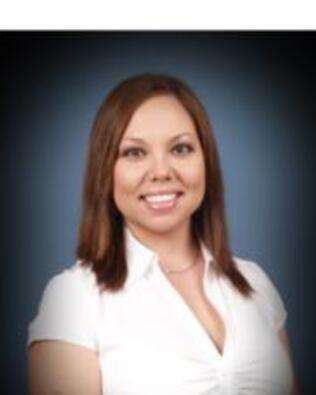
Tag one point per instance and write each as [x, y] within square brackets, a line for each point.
[174, 248]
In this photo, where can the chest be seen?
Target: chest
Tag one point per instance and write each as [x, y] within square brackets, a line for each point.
[160, 339]
[190, 290]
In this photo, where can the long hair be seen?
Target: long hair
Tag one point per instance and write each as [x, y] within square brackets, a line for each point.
[101, 243]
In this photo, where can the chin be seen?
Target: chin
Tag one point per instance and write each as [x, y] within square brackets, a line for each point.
[161, 225]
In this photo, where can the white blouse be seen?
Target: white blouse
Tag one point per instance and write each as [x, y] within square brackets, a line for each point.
[150, 342]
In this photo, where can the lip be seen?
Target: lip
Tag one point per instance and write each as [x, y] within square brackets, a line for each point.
[169, 192]
[163, 208]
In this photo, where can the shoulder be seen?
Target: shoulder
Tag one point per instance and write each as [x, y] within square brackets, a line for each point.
[74, 279]
[68, 308]
[266, 292]
[255, 274]
[251, 270]
[74, 286]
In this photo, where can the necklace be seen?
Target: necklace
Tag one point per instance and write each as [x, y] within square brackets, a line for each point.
[182, 270]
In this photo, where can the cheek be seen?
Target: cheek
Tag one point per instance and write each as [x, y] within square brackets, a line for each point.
[195, 175]
[125, 179]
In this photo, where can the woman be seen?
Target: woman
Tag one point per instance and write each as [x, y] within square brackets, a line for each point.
[156, 303]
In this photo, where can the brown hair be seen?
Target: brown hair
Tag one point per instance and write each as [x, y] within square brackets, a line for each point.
[101, 241]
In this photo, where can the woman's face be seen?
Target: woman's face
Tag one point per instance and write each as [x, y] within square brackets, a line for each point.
[159, 175]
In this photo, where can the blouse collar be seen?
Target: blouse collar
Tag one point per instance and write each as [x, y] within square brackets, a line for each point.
[141, 258]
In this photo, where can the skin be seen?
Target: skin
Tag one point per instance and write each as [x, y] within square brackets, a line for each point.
[51, 370]
[157, 163]
[286, 343]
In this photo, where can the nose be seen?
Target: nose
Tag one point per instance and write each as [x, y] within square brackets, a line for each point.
[160, 169]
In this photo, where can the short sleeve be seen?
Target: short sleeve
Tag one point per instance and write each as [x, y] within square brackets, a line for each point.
[67, 310]
[266, 294]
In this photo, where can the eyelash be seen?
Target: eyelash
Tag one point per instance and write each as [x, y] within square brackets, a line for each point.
[133, 149]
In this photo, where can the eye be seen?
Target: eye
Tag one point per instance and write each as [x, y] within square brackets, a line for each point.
[132, 152]
[135, 152]
[183, 148]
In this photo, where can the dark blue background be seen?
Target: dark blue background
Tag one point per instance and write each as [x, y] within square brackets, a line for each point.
[259, 90]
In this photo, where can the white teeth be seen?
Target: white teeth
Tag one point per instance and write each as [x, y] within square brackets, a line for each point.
[160, 198]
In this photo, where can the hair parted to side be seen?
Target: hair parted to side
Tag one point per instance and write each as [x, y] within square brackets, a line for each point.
[101, 243]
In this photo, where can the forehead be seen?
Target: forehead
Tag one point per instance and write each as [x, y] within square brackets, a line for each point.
[160, 114]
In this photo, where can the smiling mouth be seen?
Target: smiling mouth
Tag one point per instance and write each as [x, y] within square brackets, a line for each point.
[163, 202]
[163, 197]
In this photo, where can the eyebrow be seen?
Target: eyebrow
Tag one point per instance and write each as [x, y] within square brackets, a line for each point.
[172, 138]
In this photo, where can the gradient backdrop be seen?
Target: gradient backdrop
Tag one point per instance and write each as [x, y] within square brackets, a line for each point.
[259, 90]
